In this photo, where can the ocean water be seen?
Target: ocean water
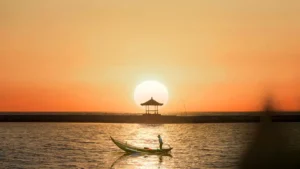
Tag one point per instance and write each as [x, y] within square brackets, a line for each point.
[88, 145]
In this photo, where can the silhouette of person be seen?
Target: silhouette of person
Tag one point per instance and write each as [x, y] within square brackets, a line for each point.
[160, 141]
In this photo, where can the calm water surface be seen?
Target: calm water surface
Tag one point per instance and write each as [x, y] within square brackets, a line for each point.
[87, 145]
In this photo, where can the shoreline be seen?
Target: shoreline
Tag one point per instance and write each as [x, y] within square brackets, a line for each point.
[138, 118]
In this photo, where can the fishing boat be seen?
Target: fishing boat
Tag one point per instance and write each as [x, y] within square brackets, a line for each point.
[134, 149]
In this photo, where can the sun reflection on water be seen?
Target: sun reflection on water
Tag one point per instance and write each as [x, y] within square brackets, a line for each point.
[143, 135]
[149, 161]
[88, 145]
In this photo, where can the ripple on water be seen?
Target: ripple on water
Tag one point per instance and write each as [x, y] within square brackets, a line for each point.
[87, 145]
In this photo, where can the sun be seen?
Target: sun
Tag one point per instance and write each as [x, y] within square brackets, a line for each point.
[147, 89]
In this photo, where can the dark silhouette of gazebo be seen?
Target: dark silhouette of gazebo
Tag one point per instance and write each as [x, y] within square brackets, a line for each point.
[149, 103]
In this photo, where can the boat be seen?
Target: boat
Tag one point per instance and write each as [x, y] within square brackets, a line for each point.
[134, 149]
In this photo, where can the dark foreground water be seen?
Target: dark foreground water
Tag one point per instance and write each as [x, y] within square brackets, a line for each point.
[87, 145]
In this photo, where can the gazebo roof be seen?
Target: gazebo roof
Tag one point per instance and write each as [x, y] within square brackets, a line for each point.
[152, 102]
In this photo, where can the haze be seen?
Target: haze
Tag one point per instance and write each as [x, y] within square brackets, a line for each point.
[90, 55]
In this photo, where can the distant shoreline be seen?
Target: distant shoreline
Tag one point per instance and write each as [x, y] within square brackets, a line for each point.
[138, 118]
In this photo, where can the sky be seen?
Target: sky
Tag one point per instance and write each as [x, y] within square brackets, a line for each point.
[89, 55]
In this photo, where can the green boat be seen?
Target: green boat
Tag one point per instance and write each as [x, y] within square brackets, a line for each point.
[133, 149]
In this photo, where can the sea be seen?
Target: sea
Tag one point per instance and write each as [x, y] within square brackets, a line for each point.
[88, 145]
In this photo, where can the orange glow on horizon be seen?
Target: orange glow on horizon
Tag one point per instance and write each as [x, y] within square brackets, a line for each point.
[90, 56]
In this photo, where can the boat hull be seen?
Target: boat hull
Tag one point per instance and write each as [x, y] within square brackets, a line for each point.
[133, 149]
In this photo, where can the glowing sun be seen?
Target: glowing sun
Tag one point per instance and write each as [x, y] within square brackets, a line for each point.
[147, 89]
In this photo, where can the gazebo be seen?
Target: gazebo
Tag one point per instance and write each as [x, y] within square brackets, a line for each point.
[149, 103]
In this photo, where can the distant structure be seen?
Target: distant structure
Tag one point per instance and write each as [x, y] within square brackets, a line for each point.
[152, 103]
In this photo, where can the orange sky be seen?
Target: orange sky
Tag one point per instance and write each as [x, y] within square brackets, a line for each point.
[66, 55]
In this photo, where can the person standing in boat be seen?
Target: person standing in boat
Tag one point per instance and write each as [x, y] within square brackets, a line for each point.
[160, 142]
